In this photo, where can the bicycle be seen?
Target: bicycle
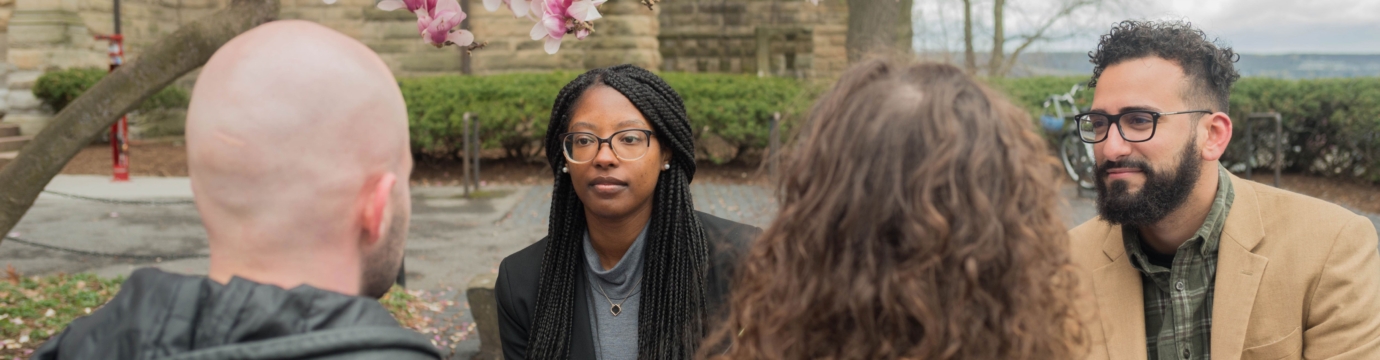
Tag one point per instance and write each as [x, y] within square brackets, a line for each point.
[1076, 155]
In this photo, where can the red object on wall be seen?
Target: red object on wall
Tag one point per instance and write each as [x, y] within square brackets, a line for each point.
[119, 132]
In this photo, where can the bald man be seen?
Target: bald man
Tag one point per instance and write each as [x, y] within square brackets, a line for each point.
[298, 152]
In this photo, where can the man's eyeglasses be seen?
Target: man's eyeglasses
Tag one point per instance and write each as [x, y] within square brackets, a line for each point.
[1134, 126]
[627, 145]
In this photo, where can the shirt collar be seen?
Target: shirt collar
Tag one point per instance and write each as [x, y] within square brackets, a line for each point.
[1205, 240]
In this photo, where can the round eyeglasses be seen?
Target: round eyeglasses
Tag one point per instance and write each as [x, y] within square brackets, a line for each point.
[627, 145]
[1134, 126]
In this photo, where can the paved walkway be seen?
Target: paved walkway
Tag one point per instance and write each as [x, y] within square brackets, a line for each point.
[451, 239]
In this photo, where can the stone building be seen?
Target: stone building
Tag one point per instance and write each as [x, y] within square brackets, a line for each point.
[765, 37]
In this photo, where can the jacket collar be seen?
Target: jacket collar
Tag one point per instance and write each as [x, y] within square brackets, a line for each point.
[1244, 225]
[1239, 271]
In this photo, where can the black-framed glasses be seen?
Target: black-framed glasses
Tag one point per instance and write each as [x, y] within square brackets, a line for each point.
[1134, 125]
[627, 145]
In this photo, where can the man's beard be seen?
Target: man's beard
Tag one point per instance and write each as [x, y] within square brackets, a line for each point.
[1158, 197]
[381, 268]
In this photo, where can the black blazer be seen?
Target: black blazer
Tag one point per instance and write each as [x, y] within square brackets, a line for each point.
[516, 290]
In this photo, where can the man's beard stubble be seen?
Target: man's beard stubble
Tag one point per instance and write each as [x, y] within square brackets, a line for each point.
[381, 268]
[1160, 196]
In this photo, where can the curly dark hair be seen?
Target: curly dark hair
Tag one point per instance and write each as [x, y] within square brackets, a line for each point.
[1210, 66]
[919, 220]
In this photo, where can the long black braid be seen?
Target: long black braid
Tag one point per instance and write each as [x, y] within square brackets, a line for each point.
[671, 318]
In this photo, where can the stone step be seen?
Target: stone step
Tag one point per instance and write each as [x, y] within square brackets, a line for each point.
[7, 130]
[13, 143]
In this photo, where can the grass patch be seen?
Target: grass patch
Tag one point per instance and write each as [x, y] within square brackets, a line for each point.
[33, 309]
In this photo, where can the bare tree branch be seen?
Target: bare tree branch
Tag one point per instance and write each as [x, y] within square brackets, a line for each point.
[118, 93]
[1010, 61]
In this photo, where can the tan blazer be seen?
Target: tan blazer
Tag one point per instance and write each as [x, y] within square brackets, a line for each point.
[1297, 278]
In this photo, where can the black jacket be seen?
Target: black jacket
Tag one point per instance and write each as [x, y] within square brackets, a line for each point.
[158, 315]
[516, 289]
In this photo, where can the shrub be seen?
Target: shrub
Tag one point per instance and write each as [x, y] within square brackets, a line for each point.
[61, 87]
[1032, 92]
[514, 109]
[1331, 126]
[739, 108]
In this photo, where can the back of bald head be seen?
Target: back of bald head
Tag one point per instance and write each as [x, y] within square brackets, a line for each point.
[288, 124]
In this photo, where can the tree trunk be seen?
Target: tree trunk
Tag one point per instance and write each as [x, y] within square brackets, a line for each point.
[878, 27]
[905, 27]
[118, 93]
[998, 55]
[969, 57]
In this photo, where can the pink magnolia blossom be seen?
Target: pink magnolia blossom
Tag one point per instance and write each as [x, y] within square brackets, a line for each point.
[436, 20]
[520, 8]
[560, 17]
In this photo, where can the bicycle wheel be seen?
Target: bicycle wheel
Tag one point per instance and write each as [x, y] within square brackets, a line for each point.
[1078, 163]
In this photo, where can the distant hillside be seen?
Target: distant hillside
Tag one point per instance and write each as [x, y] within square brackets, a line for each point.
[1299, 66]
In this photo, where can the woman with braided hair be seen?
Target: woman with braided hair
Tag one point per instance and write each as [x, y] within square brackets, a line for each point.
[628, 268]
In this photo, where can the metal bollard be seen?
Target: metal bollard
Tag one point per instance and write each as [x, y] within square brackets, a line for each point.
[1278, 161]
[775, 153]
[478, 150]
[465, 159]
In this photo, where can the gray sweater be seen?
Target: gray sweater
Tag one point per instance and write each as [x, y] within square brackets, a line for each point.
[615, 337]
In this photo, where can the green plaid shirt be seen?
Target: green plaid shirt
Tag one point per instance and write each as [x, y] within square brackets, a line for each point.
[1178, 290]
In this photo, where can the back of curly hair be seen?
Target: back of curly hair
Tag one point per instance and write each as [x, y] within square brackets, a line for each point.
[919, 219]
[1208, 65]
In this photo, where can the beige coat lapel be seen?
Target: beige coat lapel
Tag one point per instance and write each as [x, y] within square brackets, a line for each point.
[1119, 301]
[1238, 273]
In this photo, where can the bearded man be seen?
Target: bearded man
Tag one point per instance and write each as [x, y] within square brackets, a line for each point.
[1186, 261]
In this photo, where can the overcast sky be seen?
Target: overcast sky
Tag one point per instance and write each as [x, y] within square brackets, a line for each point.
[1249, 26]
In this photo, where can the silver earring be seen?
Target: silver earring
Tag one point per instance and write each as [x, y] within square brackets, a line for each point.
[667, 167]
[565, 170]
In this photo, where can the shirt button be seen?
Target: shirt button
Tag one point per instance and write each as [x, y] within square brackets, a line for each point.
[1187, 353]
[1180, 286]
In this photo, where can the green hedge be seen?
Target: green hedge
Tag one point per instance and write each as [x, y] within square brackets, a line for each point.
[514, 109]
[1031, 92]
[58, 88]
[1331, 126]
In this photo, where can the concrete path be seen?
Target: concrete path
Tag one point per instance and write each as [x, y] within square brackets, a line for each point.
[451, 238]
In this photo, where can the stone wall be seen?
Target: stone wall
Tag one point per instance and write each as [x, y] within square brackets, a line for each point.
[769, 37]
[800, 39]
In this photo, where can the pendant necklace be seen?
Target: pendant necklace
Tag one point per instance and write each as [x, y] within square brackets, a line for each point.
[618, 307]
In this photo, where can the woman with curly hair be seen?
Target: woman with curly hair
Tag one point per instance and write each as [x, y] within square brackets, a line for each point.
[918, 220]
[628, 268]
